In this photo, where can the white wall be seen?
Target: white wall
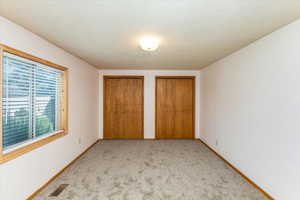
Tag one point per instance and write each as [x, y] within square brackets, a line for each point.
[251, 105]
[149, 96]
[22, 176]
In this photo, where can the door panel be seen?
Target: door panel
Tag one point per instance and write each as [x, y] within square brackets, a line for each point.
[123, 107]
[175, 107]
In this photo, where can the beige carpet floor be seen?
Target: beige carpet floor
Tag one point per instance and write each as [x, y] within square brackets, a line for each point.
[151, 170]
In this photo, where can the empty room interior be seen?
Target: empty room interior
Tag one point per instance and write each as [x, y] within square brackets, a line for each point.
[150, 100]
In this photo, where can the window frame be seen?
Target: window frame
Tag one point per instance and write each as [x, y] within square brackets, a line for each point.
[38, 142]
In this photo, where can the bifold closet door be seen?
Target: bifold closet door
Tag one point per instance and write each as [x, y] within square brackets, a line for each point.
[175, 107]
[123, 107]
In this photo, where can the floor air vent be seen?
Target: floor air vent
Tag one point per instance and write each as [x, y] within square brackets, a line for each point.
[59, 190]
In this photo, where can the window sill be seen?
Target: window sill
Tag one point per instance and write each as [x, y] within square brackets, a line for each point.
[11, 154]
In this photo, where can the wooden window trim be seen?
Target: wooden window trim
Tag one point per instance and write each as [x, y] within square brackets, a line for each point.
[4, 157]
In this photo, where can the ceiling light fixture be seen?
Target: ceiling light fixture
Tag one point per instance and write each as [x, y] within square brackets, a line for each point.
[148, 43]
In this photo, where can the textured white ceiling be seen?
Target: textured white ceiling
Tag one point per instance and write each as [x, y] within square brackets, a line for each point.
[194, 33]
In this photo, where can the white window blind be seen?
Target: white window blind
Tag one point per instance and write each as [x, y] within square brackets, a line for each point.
[31, 100]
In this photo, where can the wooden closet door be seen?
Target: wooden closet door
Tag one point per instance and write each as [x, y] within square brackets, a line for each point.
[123, 107]
[175, 107]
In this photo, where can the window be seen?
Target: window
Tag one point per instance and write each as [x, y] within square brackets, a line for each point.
[34, 102]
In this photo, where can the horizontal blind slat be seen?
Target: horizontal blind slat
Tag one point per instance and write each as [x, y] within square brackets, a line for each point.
[31, 93]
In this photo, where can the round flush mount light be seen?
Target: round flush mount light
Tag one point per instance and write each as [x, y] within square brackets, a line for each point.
[149, 43]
